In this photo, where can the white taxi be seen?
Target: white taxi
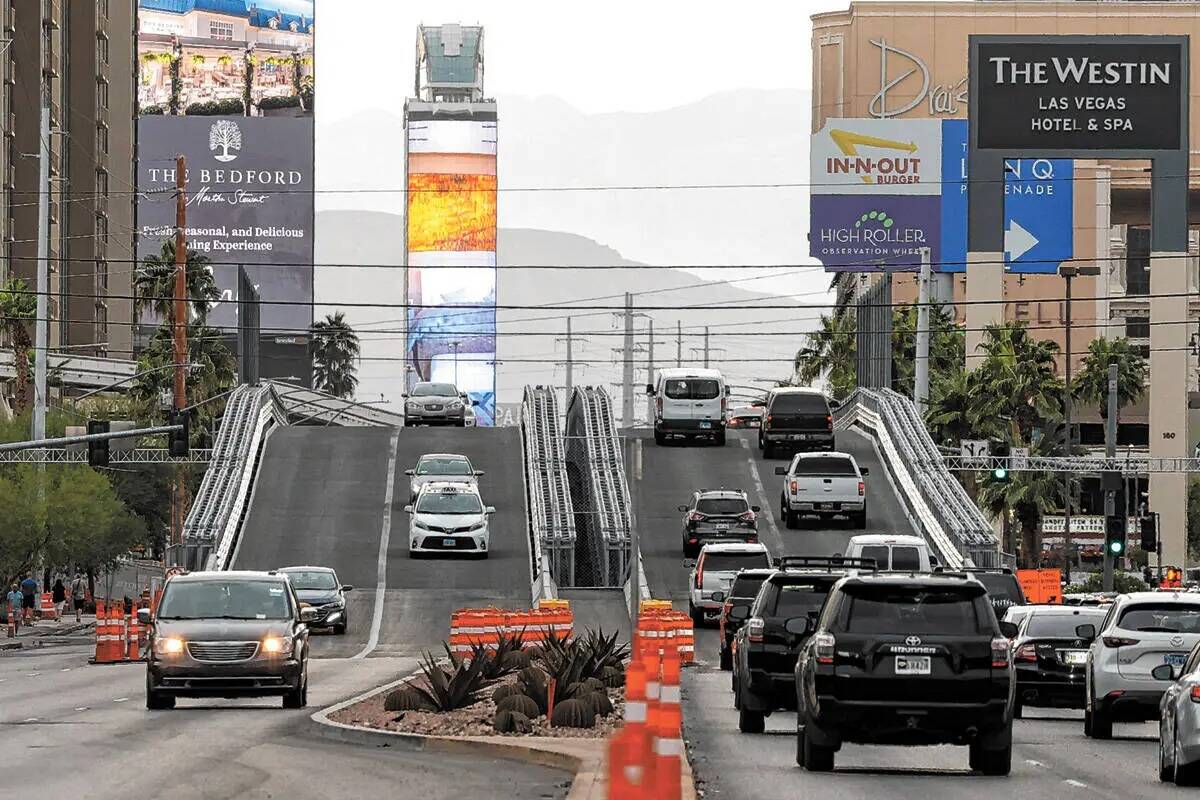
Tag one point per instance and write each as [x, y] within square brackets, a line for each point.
[448, 518]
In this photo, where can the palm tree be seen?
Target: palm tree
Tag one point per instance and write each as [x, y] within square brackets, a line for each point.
[829, 352]
[946, 346]
[1091, 384]
[960, 408]
[1021, 371]
[333, 345]
[18, 306]
[154, 284]
[1027, 496]
[214, 373]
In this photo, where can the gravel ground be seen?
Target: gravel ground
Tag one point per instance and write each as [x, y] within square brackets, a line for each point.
[474, 720]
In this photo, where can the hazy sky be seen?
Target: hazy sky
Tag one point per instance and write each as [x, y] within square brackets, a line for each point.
[597, 58]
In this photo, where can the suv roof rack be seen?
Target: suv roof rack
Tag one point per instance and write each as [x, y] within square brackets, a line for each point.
[784, 562]
[996, 570]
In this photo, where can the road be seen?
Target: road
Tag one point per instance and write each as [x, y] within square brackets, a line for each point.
[78, 731]
[321, 498]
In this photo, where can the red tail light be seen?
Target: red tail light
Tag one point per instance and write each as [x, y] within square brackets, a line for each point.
[700, 573]
[747, 517]
[658, 407]
[829, 421]
[695, 516]
[862, 488]
[1196, 694]
[1026, 652]
[1000, 652]
[793, 486]
[1118, 641]
[825, 643]
[754, 629]
[768, 419]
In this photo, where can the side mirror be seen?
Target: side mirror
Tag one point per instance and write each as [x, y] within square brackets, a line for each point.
[1163, 672]
[479, 473]
[798, 626]
[834, 405]
[490, 510]
[410, 472]
[718, 597]
[739, 613]
[683, 508]
[1086, 631]
[756, 509]
[650, 389]
[408, 508]
[308, 614]
[781, 470]
[1009, 630]
[347, 588]
[405, 394]
[864, 471]
[143, 616]
[474, 402]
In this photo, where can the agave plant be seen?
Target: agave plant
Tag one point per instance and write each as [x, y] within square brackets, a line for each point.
[604, 652]
[450, 689]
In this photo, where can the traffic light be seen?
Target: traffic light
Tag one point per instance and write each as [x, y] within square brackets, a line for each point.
[1150, 533]
[98, 448]
[1172, 578]
[1114, 536]
[1000, 450]
[178, 440]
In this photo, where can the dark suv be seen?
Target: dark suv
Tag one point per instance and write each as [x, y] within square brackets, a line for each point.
[795, 419]
[319, 587]
[906, 659]
[717, 515]
[736, 610]
[765, 648]
[227, 634]
[1003, 588]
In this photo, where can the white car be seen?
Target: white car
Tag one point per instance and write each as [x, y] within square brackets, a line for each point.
[893, 552]
[442, 468]
[717, 566]
[448, 518]
[824, 485]
[1142, 631]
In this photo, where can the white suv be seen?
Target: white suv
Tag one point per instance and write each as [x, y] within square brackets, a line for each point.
[1142, 630]
[713, 574]
[448, 518]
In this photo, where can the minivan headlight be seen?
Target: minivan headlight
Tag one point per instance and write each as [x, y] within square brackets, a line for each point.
[168, 646]
[277, 646]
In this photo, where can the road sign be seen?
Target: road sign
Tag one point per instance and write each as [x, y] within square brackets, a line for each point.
[1019, 458]
[974, 448]
[1038, 208]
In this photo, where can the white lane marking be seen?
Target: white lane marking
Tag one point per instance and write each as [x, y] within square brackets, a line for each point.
[762, 492]
[1031, 762]
[384, 536]
[65, 669]
[120, 699]
[33, 674]
[30, 719]
[82, 708]
[1075, 783]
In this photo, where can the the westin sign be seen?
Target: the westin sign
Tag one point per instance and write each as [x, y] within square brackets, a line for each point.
[1079, 95]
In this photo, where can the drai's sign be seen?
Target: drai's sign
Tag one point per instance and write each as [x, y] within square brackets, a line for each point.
[905, 83]
[1098, 95]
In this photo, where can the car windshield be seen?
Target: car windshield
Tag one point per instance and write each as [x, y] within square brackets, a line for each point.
[832, 466]
[800, 599]
[1059, 626]
[1161, 617]
[730, 562]
[888, 610]
[746, 585]
[1001, 586]
[434, 390]
[722, 505]
[443, 466]
[692, 388]
[312, 579]
[225, 599]
[799, 404]
[449, 503]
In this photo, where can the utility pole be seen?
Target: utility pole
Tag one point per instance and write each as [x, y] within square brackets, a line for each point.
[678, 344]
[921, 387]
[1112, 480]
[1068, 558]
[706, 347]
[179, 399]
[570, 362]
[42, 319]
[627, 364]
[650, 372]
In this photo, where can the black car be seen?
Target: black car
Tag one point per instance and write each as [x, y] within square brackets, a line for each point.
[717, 515]
[736, 610]
[795, 419]
[1050, 660]
[227, 634]
[1003, 588]
[906, 659]
[319, 587]
[764, 650]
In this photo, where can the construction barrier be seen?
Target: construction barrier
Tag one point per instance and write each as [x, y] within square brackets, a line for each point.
[119, 638]
[471, 627]
[46, 609]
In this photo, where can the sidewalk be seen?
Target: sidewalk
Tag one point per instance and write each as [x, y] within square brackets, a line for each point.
[46, 628]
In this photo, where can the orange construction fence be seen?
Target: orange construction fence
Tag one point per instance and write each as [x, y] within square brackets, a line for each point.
[470, 627]
[119, 637]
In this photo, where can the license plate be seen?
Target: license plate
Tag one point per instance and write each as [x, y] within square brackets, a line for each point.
[448, 542]
[1075, 657]
[705, 426]
[1175, 659]
[913, 665]
[722, 526]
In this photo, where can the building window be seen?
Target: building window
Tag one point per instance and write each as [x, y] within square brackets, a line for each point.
[1137, 327]
[102, 138]
[101, 274]
[1137, 261]
[220, 30]
[102, 182]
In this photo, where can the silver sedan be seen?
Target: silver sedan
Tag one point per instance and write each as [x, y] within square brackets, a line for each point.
[1179, 722]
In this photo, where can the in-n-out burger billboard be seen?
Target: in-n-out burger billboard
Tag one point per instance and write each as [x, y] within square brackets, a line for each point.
[1079, 93]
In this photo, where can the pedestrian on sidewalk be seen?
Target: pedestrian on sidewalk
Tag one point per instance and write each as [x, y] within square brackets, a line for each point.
[14, 600]
[29, 597]
[60, 597]
[78, 594]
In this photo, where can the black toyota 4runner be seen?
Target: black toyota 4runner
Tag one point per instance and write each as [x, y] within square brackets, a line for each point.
[765, 647]
[906, 659]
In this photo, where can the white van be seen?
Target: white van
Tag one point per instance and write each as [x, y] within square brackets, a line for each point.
[689, 403]
[893, 552]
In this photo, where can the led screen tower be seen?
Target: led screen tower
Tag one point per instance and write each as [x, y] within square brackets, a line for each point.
[451, 217]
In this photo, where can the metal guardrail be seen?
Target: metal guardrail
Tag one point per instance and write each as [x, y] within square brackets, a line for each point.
[311, 407]
[139, 455]
[214, 521]
[551, 513]
[937, 504]
[1126, 465]
[599, 490]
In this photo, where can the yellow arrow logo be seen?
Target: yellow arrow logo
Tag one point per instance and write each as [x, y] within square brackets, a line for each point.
[849, 142]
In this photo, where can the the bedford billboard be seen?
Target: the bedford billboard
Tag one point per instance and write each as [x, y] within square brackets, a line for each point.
[249, 195]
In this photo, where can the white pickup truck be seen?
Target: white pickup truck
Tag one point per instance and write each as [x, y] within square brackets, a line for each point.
[824, 485]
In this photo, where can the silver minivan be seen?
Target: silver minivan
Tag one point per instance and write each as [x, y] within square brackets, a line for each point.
[689, 404]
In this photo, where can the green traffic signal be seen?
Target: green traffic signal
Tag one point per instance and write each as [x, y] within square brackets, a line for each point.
[1115, 547]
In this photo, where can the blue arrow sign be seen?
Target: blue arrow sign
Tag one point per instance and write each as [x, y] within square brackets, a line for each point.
[1038, 208]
